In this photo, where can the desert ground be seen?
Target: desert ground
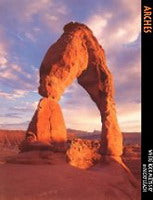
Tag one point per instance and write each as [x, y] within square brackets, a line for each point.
[58, 180]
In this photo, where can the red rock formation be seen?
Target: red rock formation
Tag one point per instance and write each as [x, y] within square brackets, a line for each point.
[77, 54]
[47, 123]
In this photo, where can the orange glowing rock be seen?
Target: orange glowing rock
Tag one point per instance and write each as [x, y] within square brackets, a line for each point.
[47, 123]
[76, 54]
[83, 153]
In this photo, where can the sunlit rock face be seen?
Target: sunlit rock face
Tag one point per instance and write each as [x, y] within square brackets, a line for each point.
[83, 153]
[76, 54]
[48, 123]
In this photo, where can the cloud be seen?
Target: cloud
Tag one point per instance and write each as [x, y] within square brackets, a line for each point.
[117, 27]
[17, 112]
[30, 36]
[10, 115]
[34, 105]
[13, 71]
[3, 61]
[26, 13]
[129, 116]
[80, 112]
[21, 28]
[28, 8]
[116, 24]
[82, 119]
[15, 126]
[97, 23]
[14, 94]
[17, 77]
[25, 107]
[126, 68]
[3, 48]
[26, 31]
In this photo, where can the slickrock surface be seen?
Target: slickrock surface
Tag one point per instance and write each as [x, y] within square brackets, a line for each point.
[60, 181]
[77, 54]
[46, 175]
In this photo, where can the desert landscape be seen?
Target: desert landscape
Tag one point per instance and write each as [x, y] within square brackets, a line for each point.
[70, 98]
[58, 180]
[49, 161]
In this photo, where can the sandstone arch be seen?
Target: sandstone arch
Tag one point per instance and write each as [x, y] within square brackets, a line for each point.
[76, 54]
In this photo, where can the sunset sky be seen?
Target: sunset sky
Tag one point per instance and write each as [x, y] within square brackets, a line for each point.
[29, 27]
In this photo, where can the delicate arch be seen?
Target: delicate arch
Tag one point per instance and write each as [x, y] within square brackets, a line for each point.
[77, 54]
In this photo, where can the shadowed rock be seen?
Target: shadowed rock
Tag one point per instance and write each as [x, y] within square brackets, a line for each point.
[77, 54]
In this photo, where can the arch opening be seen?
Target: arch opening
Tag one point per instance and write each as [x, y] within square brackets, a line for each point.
[79, 111]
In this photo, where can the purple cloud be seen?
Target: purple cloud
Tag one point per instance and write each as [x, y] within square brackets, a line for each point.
[27, 30]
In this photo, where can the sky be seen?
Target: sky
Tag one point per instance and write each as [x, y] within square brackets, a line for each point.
[27, 30]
